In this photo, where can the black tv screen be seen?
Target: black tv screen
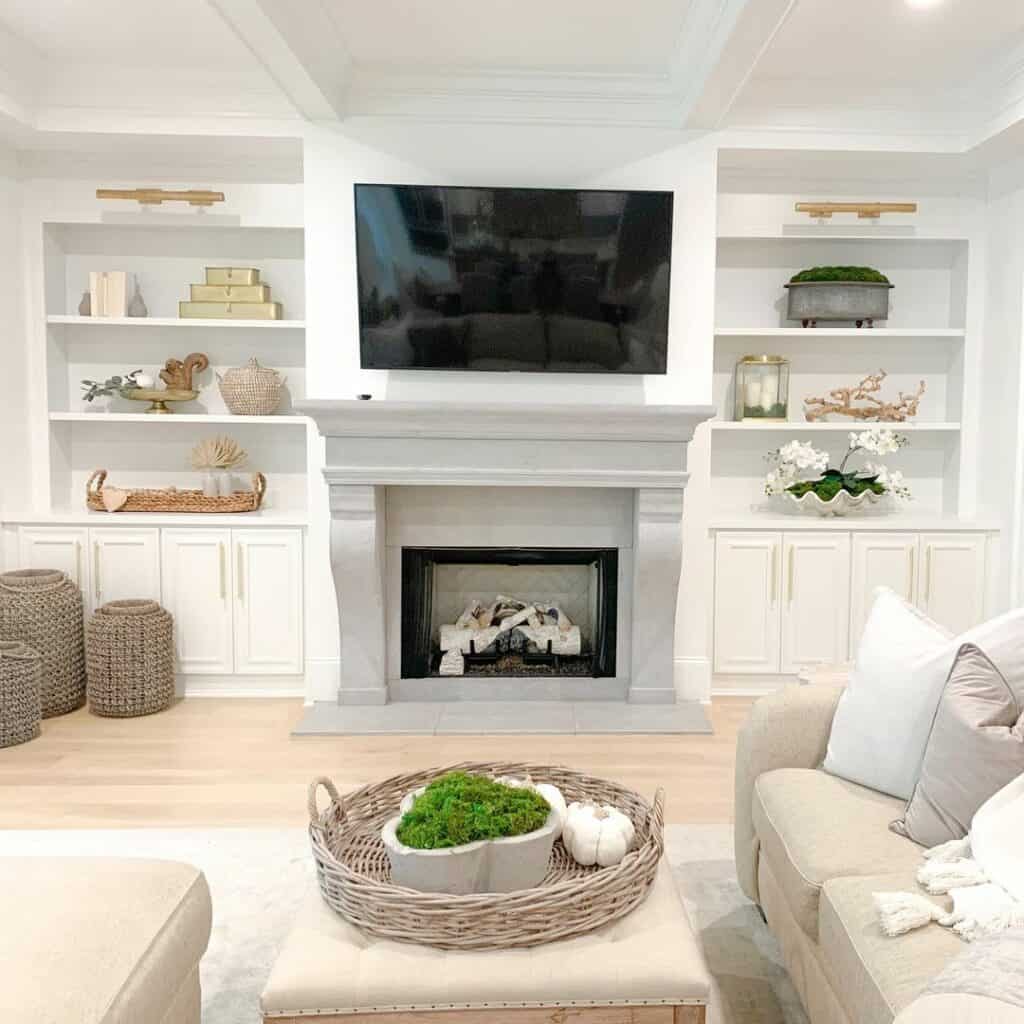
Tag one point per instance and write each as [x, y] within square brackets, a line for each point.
[557, 280]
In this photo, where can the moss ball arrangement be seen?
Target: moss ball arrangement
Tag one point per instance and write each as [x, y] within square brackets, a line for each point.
[458, 808]
[844, 274]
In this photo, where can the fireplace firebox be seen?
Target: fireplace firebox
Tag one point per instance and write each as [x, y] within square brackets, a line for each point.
[504, 612]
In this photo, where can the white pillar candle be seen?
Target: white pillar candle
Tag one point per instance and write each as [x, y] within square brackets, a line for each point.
[752, 391]
[769, 391]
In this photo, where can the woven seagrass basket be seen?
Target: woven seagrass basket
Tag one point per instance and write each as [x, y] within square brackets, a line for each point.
[148, 499]
[21, 673]
[355, 878]
[43, 608]
[251, 390]
[129, 659]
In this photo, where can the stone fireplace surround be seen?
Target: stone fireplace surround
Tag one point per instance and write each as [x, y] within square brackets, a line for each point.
[456, 474]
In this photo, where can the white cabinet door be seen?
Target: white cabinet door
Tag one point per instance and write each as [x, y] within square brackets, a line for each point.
[125, 563]
[56, 547]
[952, 585]
[880, 559]
[816, 599]
[747, 569]
[197, 592]
[268, 601]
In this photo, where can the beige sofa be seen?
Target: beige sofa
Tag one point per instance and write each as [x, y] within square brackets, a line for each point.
[810, 851]
[88, 940]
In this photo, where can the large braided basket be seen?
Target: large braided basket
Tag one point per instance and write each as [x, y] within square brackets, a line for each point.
[21, 671]
[129, 659]
[43, 608]
[355, 878]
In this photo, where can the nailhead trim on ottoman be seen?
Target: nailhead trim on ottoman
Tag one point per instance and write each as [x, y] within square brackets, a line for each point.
[130, 659]
[43, 608]
[21, 673]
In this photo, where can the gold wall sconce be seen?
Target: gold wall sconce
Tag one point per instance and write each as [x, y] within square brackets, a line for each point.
[864, 211]
[156, 196]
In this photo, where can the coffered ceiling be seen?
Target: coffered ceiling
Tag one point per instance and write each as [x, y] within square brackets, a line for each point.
[946, 77]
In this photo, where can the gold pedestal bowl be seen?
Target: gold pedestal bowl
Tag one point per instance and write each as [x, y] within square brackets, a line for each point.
[159, 397]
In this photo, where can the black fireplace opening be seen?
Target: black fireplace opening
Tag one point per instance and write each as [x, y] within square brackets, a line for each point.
[505, 612]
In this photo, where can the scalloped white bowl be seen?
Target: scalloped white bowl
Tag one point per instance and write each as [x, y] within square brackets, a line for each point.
[840, 505]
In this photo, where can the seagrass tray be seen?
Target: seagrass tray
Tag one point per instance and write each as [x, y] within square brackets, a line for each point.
[355, 876]
[170, 499]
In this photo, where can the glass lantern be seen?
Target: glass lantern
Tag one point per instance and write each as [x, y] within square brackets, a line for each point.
[762, 389]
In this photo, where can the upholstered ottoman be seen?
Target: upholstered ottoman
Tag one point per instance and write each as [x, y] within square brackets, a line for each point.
[90, 940]
[646, 968]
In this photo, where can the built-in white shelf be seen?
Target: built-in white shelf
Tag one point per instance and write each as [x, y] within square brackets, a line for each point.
[816, 233]
[814, 428]
[86, 517]
[827, 333]
[113, 418]
[167, 321]
[902, 521]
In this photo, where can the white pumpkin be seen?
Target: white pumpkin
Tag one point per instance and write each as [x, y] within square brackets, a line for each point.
[597, 834]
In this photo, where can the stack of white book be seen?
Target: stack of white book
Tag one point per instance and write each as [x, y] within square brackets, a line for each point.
[110, 292]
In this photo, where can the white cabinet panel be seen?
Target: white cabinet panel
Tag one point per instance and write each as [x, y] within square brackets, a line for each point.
[816, 599]
[268, 601]
[56, 547]
[125, 563]
[952, 585]
[197, 592]
[880, 559]
[747, 567]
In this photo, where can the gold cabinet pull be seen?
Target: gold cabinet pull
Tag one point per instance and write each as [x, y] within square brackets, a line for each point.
[789, 579]
[96, 568]
[78, 563]
[910, 583]
[775, 573]
[928, 572]
[223, 573]
[238, 571]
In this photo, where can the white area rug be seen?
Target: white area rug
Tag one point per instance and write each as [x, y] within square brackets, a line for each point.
[258, 875]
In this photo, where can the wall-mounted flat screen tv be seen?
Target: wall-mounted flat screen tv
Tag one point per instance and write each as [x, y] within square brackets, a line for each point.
[529, 279]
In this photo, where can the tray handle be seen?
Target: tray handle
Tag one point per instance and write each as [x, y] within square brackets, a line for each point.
[332, 792]
[97, 478]
[657, 821]
[259, 485]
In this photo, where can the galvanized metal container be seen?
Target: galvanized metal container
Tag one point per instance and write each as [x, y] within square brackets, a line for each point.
[859, 301]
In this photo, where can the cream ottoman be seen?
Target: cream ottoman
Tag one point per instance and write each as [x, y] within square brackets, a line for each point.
[645, 968]
[87, 940]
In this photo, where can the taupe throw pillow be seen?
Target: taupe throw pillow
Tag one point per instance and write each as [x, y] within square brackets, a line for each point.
[975, 748]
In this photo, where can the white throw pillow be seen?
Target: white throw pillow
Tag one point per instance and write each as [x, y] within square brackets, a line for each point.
[882, 723]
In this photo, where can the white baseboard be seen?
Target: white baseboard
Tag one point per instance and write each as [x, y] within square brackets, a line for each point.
[748, 686]
[241, 686]
[693, 678]
[323, 680]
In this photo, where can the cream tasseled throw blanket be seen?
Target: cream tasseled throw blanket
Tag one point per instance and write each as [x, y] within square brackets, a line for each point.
[983, 873]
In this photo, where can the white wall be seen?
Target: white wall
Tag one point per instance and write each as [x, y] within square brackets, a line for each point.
[13, 351]
[368, 150]
[1001, 469]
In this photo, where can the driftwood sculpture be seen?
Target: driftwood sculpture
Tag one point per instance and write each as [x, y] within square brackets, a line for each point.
[177, 375]
[840, 401]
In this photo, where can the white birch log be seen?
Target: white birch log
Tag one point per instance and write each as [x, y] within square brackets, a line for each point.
[567, 642]
[455, 639]
[453, 663]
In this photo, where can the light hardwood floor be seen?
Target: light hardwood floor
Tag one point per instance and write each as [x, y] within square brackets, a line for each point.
[208, 762]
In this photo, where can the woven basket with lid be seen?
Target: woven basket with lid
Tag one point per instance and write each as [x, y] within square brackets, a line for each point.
[43, 608]
[130, 659]
[251, 390]
[21, 673]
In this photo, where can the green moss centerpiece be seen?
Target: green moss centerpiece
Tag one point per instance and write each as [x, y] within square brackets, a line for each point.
[457, 808]
[858, 294]
[467, 833]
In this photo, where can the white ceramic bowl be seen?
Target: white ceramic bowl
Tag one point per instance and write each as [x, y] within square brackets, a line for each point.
[840, 504]
[488, 865]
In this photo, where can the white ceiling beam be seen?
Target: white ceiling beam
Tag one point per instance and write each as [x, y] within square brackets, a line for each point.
[301, 48]
[720, 45]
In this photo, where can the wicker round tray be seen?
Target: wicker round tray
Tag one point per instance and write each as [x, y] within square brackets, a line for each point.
[355, 877]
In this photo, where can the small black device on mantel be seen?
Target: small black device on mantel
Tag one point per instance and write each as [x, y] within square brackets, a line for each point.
[529, 279]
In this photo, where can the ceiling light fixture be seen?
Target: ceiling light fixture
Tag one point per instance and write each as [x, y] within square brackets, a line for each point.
[923, 5]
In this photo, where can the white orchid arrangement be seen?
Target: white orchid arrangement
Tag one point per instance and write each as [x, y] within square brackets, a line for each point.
[798, 468]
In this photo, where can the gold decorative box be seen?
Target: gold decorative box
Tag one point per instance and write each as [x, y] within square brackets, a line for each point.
[230, 310]
[230, 292]
[232, 275]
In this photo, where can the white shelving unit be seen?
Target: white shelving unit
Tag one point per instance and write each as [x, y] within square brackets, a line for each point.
[801, 427]
[143, 450]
